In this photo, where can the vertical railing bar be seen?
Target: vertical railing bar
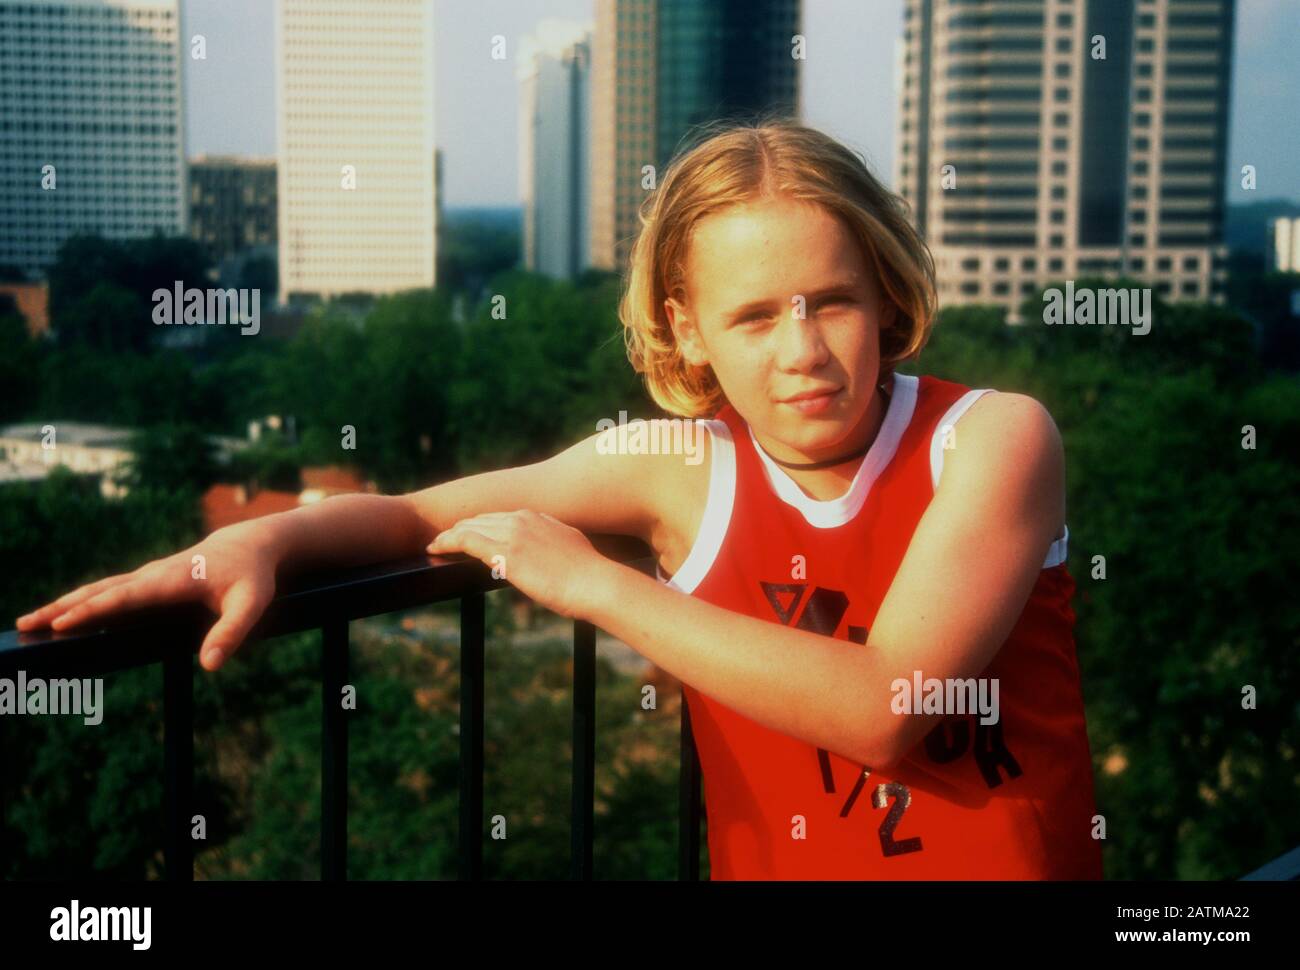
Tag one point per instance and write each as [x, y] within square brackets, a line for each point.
[472, 608]
[178, 764]
[688, 836]
[584, 748]
[334, 752]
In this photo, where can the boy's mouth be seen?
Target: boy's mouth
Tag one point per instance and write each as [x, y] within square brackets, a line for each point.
[813, 401]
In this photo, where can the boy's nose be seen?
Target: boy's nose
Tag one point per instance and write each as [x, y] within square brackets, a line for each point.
[801, 347]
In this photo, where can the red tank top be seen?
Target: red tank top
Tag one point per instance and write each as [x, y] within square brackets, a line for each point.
[1010, 800]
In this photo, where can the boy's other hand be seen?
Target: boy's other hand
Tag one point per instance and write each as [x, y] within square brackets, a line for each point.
[553, 564]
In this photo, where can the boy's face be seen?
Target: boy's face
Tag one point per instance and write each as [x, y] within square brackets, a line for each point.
[745, 268]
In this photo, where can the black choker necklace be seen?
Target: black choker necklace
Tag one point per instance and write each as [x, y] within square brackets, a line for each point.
[812, 466]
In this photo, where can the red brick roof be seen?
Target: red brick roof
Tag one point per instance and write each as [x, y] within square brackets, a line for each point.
[227, 504]
[33, 300]
[333, 478]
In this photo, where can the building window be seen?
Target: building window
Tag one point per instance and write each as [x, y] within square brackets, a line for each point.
[970, 264]
[1060, 144]
[1058, 191]
[1061, 94]
[1190, 288]
[1061, 119]
[970, 288]
[1057, 242]
[1138, 215]
[1191, 264]
[1028, 263]
[1058, 217]
[1055, 266]
[1164, 264]
[1058, 168]
[1002, 264]
[1062, 70]
[1137, 263]
[1001, 288]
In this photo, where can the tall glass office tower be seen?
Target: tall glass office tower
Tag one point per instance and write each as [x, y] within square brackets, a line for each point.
[661, 67]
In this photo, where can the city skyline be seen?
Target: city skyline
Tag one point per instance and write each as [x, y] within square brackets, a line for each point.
[230, 103]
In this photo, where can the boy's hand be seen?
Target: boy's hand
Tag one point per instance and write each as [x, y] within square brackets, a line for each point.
[232, 572]
[551, 563]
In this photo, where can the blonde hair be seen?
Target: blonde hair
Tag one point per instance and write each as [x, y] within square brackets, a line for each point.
[738, 162]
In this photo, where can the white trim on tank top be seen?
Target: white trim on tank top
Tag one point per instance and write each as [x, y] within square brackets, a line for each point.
[1056, 553]
[717, 511]
[835, 512]
[722, 483]
[722, 486]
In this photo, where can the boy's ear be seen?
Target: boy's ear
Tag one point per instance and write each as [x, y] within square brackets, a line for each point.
[685, 333]
[889, 315]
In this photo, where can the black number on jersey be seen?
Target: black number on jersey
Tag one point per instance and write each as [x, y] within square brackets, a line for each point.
[902, 799]
[902, 796]
[824, 610]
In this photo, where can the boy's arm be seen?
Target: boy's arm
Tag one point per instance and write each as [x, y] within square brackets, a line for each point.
[962, 585]
[581, 487]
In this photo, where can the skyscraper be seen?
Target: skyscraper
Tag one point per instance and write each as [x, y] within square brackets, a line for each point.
[232, 203]
[555, 148]
[660, 67]
[1047, 139]
[355, 156]
[91, 132]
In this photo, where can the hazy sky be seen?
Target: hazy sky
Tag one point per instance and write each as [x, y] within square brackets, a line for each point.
[848, 86]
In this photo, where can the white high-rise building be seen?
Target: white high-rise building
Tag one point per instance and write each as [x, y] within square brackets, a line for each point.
[91, 130]
[555, 147]
[1284, 245]
[356, 170]
[1042, 140]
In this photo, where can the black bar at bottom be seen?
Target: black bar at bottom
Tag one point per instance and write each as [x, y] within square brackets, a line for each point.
[584, 747]
[688, 836]
[334, 752]
[471, 736]
[178, 764]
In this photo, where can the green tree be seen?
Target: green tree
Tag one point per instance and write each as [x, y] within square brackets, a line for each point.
[173, 457]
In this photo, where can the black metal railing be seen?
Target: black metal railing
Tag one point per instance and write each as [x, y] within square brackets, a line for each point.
[171, 636]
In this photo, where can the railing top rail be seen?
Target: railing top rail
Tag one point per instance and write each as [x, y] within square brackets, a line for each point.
[302, 603]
